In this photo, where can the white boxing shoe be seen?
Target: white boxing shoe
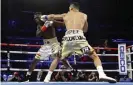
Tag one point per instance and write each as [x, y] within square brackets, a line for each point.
[27, 81]
[107, 79]
[46, 80]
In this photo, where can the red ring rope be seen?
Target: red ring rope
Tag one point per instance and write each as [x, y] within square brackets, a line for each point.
[26, 45]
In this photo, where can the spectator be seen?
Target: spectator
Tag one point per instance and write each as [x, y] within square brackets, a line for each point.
[62, 75]
[53, 77]
[80, 76]
[123, 79]
[15, 77]
[4, 77]
[92, 77]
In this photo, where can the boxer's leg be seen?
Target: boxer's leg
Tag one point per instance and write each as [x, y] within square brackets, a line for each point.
[51, 69]
[97, 63]
[102, 75]
[87, 49]
[66, 51]
[41, 55]
[54, 65]
[32, 67]
[55, 50]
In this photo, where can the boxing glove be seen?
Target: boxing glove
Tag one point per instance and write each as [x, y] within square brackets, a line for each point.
[44, 18]
[46, 25]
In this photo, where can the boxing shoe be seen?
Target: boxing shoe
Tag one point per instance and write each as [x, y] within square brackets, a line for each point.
[27, 81]
[107, 79]
[46, 80]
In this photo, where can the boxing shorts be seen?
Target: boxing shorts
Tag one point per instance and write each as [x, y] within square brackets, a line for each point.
[74, 41]
[51, 48]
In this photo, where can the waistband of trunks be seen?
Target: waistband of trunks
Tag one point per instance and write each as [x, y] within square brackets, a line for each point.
[72, 32]
[73, 38]
[50, 41]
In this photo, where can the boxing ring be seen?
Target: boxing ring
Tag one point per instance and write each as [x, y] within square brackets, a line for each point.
[127, 67]
[65, 83]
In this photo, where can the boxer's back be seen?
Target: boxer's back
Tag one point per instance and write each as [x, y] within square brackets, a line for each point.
[75, 20]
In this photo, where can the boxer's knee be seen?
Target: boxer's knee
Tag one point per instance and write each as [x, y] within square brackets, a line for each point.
[38, 57]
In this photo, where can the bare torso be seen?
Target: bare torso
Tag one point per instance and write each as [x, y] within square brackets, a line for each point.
[75, 20]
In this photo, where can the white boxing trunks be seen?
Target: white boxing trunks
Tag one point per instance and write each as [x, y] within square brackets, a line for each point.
[50, 48]
[74, 41]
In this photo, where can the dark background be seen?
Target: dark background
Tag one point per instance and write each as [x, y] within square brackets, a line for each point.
[107, 18]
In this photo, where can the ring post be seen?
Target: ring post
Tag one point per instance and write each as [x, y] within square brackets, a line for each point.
[129, 65]
[8, 60]
[122, 59]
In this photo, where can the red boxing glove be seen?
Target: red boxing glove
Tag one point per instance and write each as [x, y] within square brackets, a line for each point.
[43, 28]
[46, 25]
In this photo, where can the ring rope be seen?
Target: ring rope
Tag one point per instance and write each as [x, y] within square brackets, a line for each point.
[28, 45]
[26, 52]
[130, 46]
[85, 70]
[5, 60]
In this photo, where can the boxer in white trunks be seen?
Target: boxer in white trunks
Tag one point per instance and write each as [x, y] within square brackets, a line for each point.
[51, 47]
[74, 39]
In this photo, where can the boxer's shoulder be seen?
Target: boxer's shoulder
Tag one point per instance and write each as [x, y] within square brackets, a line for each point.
[83, 13]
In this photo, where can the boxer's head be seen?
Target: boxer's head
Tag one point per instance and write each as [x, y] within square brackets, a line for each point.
[74, 6]
[37, 15]
[37, 18]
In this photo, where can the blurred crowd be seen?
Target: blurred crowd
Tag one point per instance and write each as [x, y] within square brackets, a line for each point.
[63, 76]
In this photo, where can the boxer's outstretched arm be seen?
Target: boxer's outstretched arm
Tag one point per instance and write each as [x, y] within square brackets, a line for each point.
[56, 16]
[52, 17]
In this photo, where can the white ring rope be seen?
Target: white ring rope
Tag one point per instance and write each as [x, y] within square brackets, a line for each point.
[84, 70]
[42, 61]
[3, 51]
[26, 52]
